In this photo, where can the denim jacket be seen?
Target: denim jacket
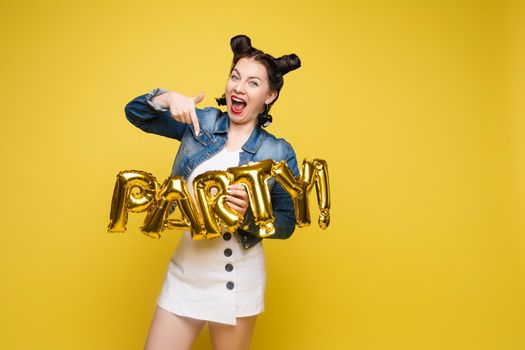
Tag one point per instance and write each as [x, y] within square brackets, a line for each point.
[193, 150]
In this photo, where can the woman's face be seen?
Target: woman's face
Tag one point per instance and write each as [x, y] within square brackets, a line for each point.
[247, 91]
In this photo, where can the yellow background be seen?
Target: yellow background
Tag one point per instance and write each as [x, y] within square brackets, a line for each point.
[418, 107]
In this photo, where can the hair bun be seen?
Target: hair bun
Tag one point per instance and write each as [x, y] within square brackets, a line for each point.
[288, 63]
[240, 43]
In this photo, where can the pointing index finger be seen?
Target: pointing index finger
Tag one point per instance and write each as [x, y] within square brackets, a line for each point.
[195, 122]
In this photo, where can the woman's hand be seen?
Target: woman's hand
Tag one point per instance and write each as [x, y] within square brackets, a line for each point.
[182, 108]
[237, 198]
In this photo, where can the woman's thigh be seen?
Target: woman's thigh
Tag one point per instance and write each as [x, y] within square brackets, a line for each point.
[228, 337]
[170, 331]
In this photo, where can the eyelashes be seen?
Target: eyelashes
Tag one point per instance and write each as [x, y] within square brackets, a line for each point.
[252, 83]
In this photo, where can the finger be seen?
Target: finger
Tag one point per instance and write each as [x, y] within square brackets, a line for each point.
[237, 193]
[236, 208]
[237, 187]
[176, 115]
[199, 98]
[240, 188]
[187, 117]
[236, 201]
[195, 121]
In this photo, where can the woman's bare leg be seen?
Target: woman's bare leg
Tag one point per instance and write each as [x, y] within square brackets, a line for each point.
[228, 337]
[173, 332]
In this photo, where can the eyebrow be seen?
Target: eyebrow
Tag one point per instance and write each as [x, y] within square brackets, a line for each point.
[248, 77]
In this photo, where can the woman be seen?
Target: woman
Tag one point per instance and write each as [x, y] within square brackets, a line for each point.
[220, 280]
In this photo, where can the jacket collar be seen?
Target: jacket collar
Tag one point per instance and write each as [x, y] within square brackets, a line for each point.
[255, 140]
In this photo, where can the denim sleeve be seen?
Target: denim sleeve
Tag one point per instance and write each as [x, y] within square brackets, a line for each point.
[282, 207]
[151, 118]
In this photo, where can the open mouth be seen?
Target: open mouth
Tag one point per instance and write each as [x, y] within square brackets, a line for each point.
[238, 105]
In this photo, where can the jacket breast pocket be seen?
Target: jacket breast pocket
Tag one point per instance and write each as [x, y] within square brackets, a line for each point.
[203, 138]
[190, 143]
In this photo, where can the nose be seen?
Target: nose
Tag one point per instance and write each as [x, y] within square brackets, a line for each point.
[239, 87]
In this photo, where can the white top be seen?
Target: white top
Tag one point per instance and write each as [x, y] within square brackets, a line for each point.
[220, 161]
[215, 279]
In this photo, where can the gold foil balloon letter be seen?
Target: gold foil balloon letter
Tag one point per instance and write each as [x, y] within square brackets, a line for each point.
[322, 187]
[211, 203]
[299, 189]
[174, 189]
[125, 199]
[255, 176]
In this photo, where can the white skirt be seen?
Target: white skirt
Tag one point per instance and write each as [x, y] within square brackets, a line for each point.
[215, 279]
